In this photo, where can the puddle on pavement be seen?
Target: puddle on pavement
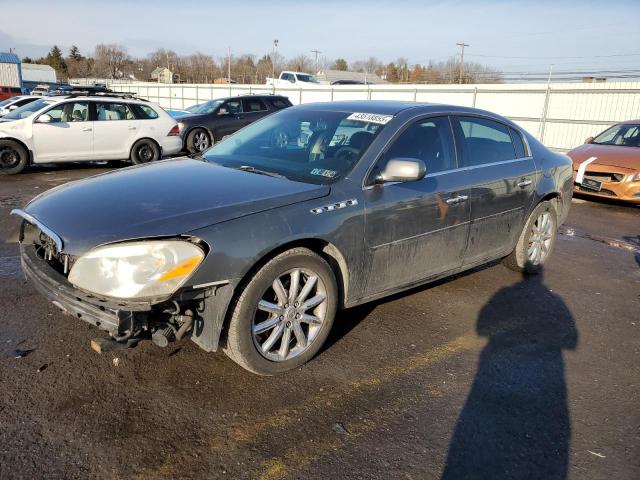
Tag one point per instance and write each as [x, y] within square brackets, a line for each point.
[632, 246]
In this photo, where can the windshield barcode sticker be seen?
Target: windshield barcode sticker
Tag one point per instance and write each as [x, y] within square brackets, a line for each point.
[370, 117]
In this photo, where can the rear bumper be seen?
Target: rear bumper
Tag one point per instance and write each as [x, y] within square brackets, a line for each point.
[172, 145]
[55, 287]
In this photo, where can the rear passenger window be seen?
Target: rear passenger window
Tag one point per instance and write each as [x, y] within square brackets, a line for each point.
[279, 103]
[114, 111]
[253, 105]
[485, 141]
[518, 143]
[430, 140]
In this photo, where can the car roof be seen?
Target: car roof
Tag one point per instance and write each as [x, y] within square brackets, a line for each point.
[631, 122]
[393, 107]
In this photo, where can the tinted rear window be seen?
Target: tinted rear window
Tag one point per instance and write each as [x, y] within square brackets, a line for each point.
[485, 141]
[280, 103]
[144, 112]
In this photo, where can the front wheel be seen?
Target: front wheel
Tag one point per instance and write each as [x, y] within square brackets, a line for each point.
[145, 151]
[198, 140]
[13, 157]
[284, 314]
[536, 240]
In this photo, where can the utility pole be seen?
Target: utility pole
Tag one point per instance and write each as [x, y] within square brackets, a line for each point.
[317, 52]
[273, 59]
[461, 45]
[229, 65]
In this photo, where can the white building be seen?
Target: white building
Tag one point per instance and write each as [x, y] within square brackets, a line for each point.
[32, 72]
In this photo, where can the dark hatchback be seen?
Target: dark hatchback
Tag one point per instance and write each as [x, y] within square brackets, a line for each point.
[210, 122]
[253, 247]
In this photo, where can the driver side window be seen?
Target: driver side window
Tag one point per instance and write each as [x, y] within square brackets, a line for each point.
[429, 140]
[69, 112]
[232, 106]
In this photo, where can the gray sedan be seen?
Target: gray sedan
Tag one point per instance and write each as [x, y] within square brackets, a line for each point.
[253, 247]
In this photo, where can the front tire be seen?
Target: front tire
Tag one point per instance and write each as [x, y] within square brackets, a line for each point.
[198, 140]
[144, 151]
[284, 313]
[13, 157]
[536, 241]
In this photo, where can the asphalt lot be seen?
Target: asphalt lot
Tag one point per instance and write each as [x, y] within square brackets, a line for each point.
[487, 375]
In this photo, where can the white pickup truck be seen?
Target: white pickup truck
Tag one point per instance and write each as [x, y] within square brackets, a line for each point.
[287, 79]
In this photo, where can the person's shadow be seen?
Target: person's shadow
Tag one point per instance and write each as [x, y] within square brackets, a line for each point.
[515, 423]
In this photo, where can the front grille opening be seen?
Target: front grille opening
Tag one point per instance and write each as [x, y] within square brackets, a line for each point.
[605, 177]
[46, 249]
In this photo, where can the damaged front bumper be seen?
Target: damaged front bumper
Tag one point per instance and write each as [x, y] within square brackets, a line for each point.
[198, 313]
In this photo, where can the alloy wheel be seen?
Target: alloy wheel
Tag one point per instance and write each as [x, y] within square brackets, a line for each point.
[290, 314]
[201, 141]
[540, 239]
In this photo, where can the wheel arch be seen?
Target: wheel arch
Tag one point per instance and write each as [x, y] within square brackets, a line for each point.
[204, 127]
[145, 138]
[327, 250]
[23, 145]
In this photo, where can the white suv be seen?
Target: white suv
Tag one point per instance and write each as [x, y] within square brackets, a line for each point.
[76, 127]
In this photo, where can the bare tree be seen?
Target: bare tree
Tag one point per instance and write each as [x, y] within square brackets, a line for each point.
[301, 63]
[109, 59]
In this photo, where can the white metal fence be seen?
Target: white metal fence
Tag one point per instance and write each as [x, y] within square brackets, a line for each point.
[561, 115]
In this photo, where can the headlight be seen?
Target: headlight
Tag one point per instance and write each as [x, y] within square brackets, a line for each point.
[136, 269]
[636, 177]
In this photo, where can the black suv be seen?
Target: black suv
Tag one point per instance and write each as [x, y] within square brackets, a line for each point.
[211, 121]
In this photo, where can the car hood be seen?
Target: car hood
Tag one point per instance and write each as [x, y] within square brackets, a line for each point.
[614, 155]
[168, 198]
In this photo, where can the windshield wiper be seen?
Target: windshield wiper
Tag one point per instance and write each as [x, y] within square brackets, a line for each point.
[249, 168]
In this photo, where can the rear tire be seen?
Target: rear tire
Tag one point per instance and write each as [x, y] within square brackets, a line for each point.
[14, 158]
[536, 241]
[198, 140]
[144, 151]
[273, 330]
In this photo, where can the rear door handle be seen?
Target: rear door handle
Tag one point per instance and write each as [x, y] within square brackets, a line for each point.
[457, 199]
[525, 182]
[87, 129]
[132, 128]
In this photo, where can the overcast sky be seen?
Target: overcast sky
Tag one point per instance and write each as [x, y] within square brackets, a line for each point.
[603, 34]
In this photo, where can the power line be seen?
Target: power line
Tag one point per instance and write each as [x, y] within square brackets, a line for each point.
[558, 58]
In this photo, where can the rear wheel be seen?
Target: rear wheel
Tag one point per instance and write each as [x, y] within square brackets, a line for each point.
[536, 240]
[145, 151]
[13, 157]
[198, 140]
[284, 314]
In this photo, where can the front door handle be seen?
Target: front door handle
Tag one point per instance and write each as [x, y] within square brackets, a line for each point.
[87, 129]
[132, 128]
[457, 199]
[525, 182]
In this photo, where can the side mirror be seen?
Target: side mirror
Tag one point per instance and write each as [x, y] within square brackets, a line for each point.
[588, 140]
[222, 111]
[292, 80]
[402, 170]
[13, 107]
[44, 119]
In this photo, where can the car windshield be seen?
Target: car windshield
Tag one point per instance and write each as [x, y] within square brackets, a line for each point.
[308, 146]
[28, 109]
[624, 135]
[303, 77]
[8, 101]
[204, 108]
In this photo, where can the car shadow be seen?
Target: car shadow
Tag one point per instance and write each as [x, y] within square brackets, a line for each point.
[515, 423]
